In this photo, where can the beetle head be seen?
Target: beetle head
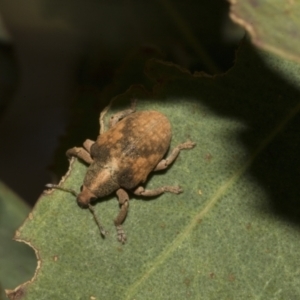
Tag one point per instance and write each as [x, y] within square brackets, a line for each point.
[85, 197]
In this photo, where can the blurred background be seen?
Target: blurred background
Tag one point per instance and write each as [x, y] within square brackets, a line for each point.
[57, 56]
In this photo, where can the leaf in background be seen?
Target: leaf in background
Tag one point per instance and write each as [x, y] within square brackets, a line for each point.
[234, 231]
[17, 260]
[273, 25]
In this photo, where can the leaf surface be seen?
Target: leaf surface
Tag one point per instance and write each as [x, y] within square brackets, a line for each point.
[17, 260]
[234, 231]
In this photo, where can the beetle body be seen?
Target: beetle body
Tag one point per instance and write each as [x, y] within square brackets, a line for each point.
[126, 153]
[122, 158]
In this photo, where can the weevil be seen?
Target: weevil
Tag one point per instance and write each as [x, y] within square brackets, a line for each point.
[122, 157]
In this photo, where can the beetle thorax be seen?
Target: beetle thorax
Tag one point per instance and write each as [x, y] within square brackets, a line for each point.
[100, 181]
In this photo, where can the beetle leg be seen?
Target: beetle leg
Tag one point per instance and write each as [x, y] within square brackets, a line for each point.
[88, 144]
[124, 203]
[158, 191]
[164, 163]
[80, 153]
[114, 119]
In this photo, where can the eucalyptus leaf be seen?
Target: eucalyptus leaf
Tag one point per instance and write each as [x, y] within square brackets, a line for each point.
[234, 231]
[17, 260]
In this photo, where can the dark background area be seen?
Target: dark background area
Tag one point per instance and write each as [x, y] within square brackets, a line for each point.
[53, 52]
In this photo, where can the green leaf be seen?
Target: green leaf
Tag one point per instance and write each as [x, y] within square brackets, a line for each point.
[17, 260]
[234, 231]
[273, 25]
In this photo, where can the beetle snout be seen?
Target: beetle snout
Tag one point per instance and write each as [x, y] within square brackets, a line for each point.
[85, 197]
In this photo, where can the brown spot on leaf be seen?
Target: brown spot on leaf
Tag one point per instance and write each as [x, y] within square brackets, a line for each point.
[208, 157]
[187, 281]
[212, 275]
[163, 225]
[16, 294]
[231, 277]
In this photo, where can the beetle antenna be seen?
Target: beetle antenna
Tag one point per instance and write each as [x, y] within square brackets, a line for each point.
[54, 186]
[91, 209]
[102, 230]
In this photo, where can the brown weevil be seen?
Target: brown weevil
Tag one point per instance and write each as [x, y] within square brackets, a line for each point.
[122, 158]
